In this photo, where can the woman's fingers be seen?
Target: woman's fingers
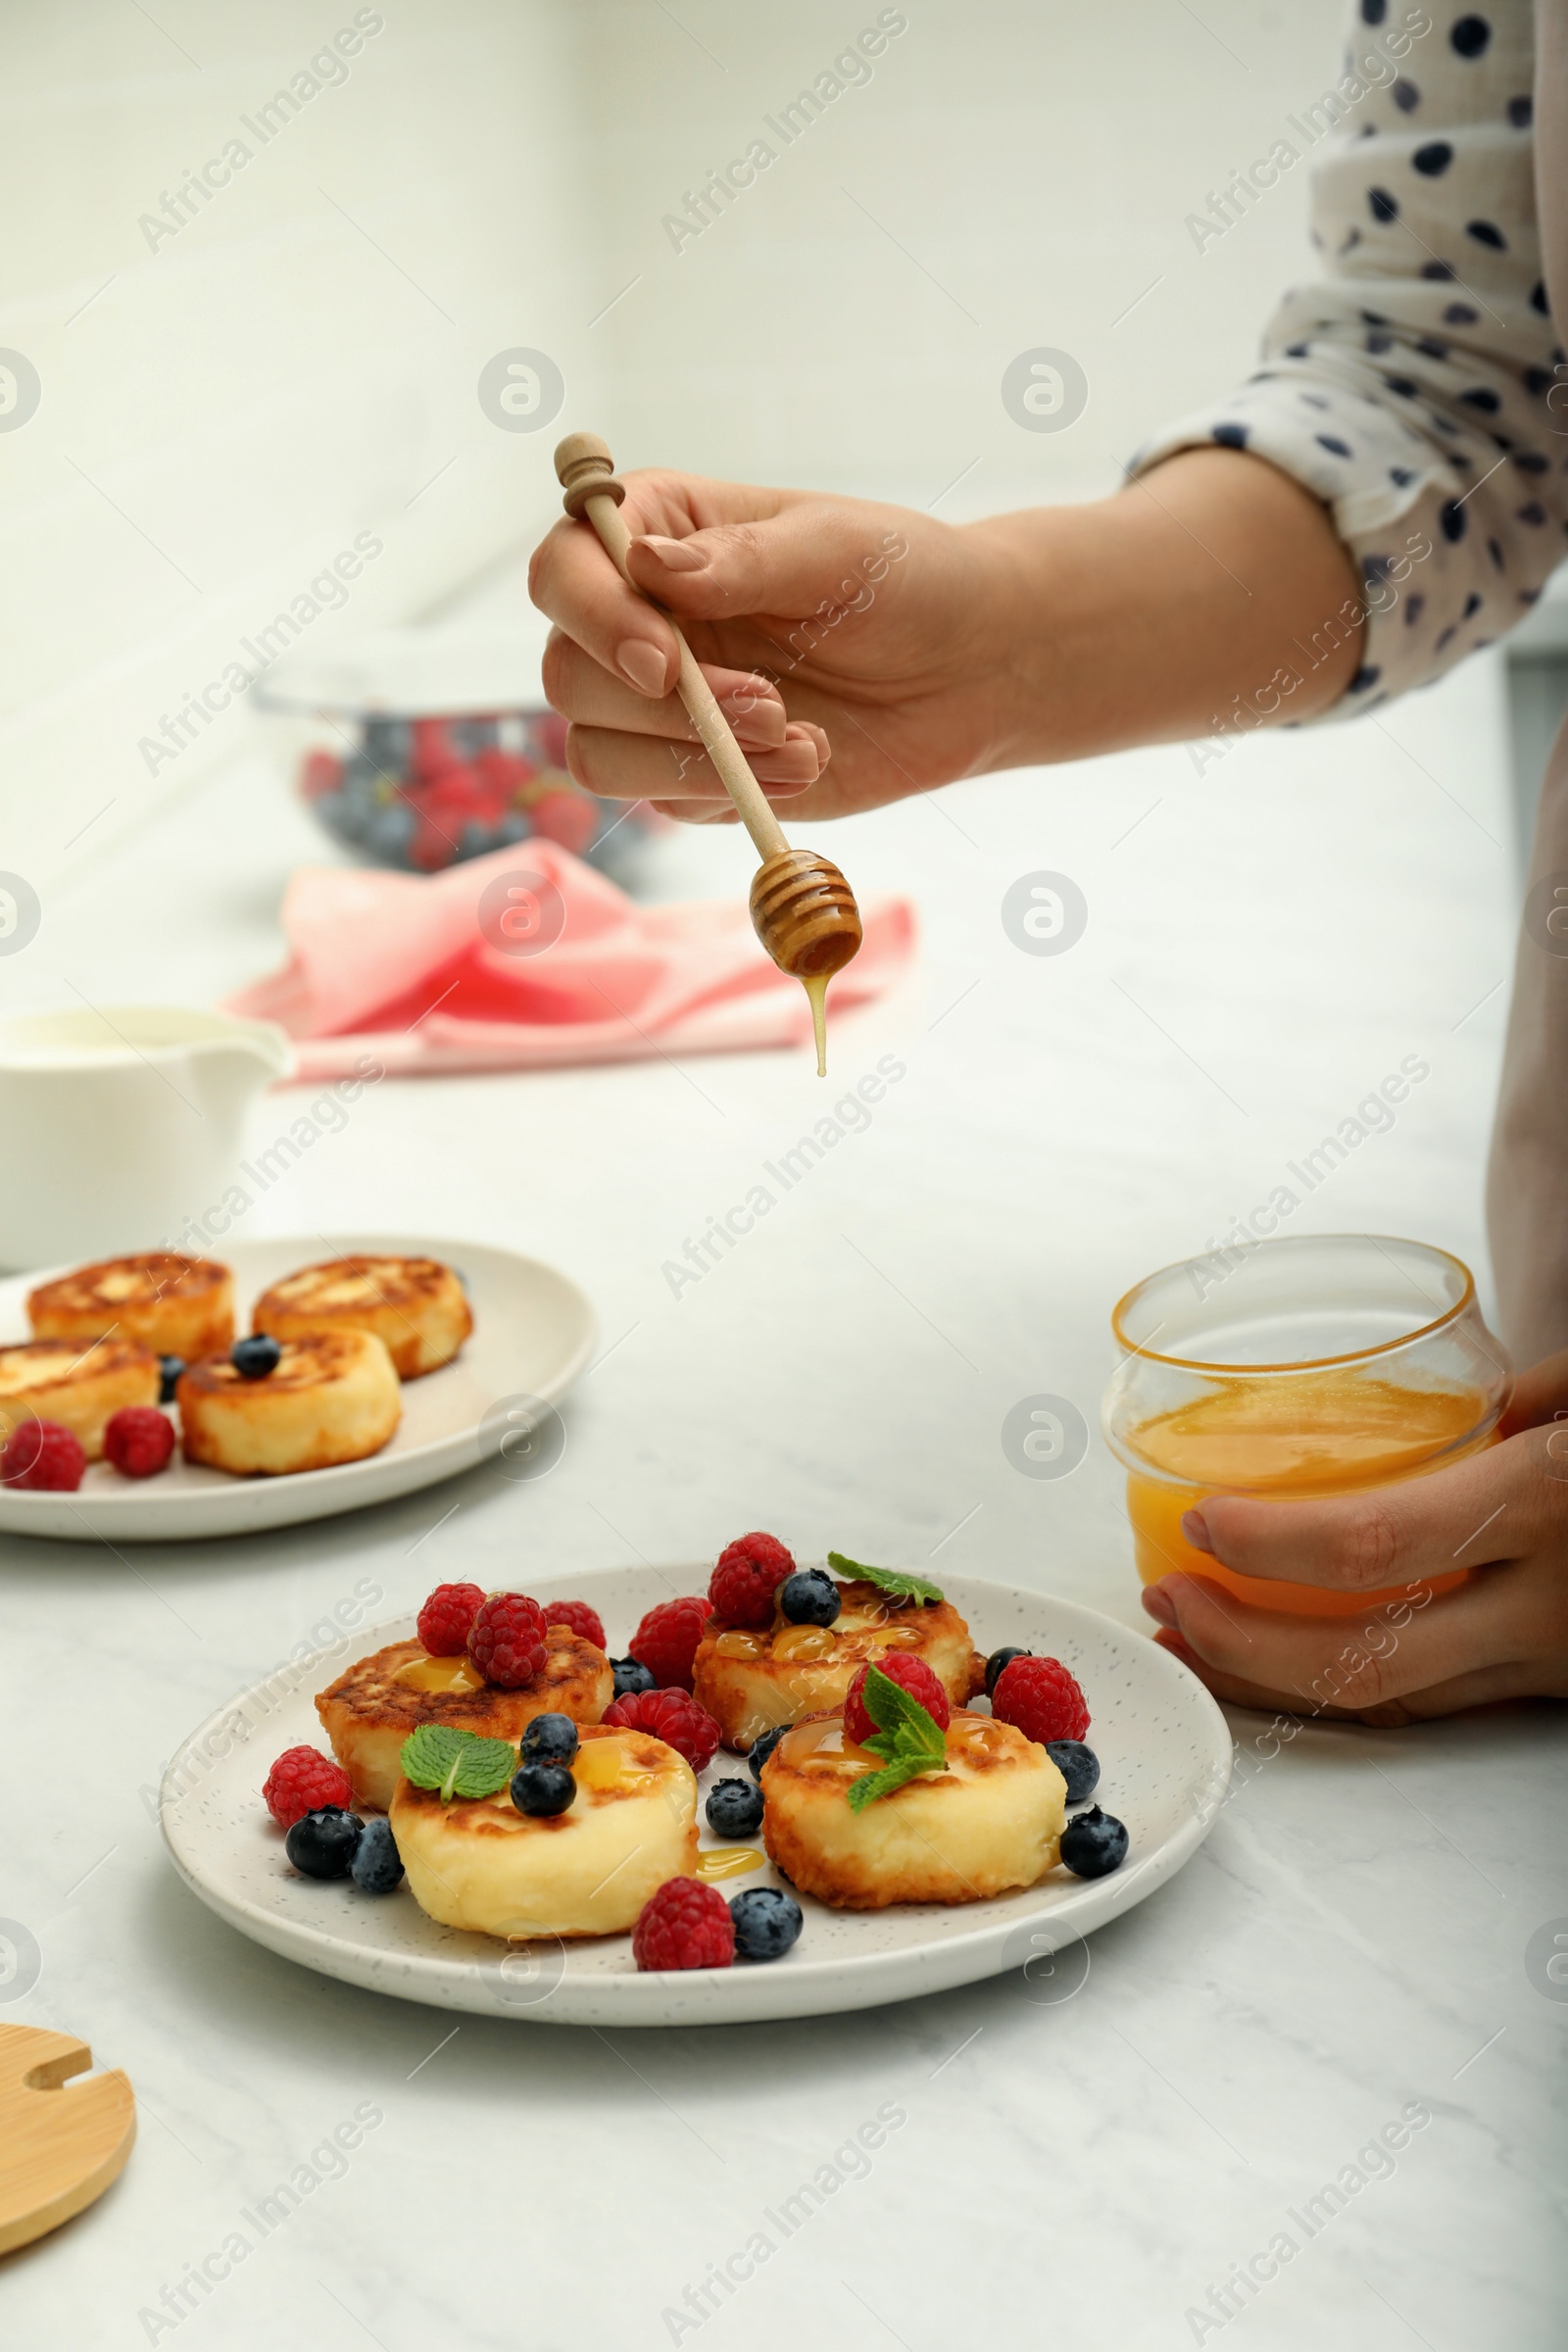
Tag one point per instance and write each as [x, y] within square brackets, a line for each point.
[697, 812]
[820, 555]
[1537, 1393]
[1479, 1688]
[813, 556]
[583, 690]
[573, 580]
[640, 768]
[1318, 1662]
[1490, 1506]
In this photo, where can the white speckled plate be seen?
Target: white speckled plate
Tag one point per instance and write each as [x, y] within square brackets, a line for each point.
[1165, 1754]
[533, 1331]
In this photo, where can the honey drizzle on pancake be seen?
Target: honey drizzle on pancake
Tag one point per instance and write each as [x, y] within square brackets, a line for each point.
[440, 1674]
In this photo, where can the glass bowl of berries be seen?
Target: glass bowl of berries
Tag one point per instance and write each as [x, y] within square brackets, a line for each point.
[420, 748]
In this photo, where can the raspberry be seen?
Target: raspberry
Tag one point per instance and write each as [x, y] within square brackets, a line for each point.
[447, 1619]
[910, 1674]
[507, 1639]
[43, 1454]
[585, 1622]
[139, 1439]
[301, 1782]
[748, 1573]
[684, 1925]
[666, 1642]
[671, 1717]
[1039, 1697]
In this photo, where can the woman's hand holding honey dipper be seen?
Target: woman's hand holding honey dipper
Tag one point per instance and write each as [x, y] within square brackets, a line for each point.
[803, 910]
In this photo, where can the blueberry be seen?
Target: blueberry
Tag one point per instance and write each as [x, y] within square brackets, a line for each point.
[387, 833]
[542, 1789]
[386, 743]
[734, 1808]
[332, 813]
[360, 788]
[322, 1843]
[1079, 1767]
[630, 1676]
[767, 1922]
[169, 1368]
[1093, 1843]
[550, 1739]
[761, 1748]
[996, 1662]
[255, 1357]
[378, 1866]
[809, 1597]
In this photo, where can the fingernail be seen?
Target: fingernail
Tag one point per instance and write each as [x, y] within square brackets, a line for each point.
[754, 722]
[792, 763]
[1159, 1606]
[1196, 1530]
[677, 555]
[643, 663]
[752, 695]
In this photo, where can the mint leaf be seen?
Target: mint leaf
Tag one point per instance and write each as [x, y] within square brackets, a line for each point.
[901, 1720]
[458, 1763]
[485, 1766]
[428, 1754]
[889, 1580]
[872, 1784]
[907, 1737]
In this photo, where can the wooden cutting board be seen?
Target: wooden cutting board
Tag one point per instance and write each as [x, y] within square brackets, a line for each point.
[59, 2149]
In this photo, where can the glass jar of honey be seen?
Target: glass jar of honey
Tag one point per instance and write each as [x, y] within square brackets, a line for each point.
[1317, 1364]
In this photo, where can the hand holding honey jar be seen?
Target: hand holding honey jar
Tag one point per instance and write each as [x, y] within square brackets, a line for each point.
[1342, 1502]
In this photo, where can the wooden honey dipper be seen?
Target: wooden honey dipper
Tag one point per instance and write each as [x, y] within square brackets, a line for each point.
[803, 910]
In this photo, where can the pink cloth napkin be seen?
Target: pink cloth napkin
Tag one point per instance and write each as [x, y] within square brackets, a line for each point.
[416, 970]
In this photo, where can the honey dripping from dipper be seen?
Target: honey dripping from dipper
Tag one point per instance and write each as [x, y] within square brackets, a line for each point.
[803, 910]
[817, 996]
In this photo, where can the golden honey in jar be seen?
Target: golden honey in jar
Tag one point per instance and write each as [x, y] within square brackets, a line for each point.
[1311, 1366]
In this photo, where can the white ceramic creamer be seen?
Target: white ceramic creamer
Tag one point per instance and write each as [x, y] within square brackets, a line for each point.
[117, 1124]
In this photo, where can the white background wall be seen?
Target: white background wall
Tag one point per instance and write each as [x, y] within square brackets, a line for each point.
[1017, 172]
[222, 413]
[224, 410]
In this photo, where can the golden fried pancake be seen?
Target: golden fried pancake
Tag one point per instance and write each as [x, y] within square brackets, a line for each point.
[174, 1305]
[78, 1384]
[370, 1711]
[751, 1682]
[482, 1865]
[990, 1823]
[334, 1397]
[415, 1306]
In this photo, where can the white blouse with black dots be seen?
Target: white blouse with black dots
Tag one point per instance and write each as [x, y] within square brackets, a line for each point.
[1409, 387]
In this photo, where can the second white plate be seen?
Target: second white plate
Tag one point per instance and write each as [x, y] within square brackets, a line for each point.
[533, 1333]
[1165, 1758]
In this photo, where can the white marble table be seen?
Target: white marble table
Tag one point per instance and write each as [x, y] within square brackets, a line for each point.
[1265, 941]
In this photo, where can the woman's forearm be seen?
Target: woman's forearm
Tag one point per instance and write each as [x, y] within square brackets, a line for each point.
[1213, 592]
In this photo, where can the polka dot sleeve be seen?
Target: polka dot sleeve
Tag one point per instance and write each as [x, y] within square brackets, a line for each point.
[1407, 386]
